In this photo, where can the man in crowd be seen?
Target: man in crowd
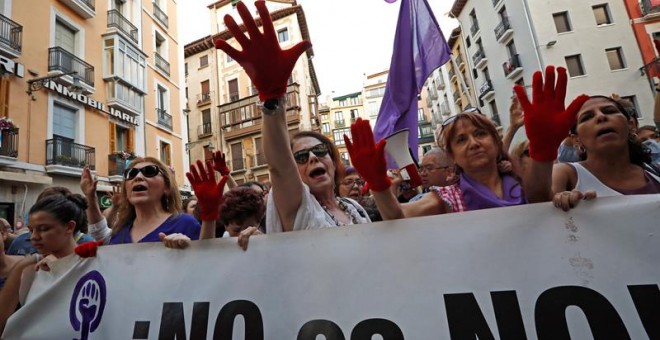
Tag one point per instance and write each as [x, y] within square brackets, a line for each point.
[436, 170]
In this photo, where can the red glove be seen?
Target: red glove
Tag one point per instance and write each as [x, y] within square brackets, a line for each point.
[88, 249]
[208, 192]
[219, 163]
[263, 60]
[367, 157]
[546, 121]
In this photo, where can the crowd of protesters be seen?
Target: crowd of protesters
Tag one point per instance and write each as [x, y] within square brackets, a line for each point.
[594, 147]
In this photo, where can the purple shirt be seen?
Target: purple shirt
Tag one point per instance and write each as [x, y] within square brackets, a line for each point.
[181, 223]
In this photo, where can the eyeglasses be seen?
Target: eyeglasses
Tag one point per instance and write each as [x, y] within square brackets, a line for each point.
[147, 171]
[302, 156]
[352, 182]
[429, 168]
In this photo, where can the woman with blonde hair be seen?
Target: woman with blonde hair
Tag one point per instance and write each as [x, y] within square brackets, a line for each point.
[150, 210]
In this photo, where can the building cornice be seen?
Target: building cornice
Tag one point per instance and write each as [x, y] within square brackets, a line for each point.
[453, 38]
[457, 8]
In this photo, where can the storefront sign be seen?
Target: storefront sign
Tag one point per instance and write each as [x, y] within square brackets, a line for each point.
[11, 67]
[88, 101]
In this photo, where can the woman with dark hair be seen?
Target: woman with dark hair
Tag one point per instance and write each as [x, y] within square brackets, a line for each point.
[150, 210]
[54, 222]
[305, 175]
[188, 205]
[609, 148]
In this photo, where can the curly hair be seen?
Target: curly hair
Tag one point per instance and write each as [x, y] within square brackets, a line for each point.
[170, 203]
[239, 204]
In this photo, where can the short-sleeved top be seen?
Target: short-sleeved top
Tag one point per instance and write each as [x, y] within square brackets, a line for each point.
[22, 245]
[181, 223]
[311, 214]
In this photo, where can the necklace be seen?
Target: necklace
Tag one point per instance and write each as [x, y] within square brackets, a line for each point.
[344, 208]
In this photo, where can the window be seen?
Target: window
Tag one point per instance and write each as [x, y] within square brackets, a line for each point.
[495, 114]
[325, 128]
[64, 121]
[5, 83]
[475, 74]
[121, 138]
[161, 99]
[237, 156]
[121, 60]
[203, 61]
[354, 115]
[338, 135]
[185, 68]
[165, 152]
[339, 115]
[574, 65]
[233, 90]
[283, 35]
[420, 115]
[615, 58]
[562, 24]
[229, 59]
[602, 14]
[467, 42]
[206, 116]
[160, 45]
[475, 24]
[65, 36]
[205, 90]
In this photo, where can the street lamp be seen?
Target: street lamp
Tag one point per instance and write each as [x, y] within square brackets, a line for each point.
[37, 84]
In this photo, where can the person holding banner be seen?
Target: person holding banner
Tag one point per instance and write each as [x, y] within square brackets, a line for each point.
[305, 170]
[54, 222]
[609, 147]
[150, 210]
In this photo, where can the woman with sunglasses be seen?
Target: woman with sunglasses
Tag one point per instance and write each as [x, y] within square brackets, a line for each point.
[304, 177]
[150, 209]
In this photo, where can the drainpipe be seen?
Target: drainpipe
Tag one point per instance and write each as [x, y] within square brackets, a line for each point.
[535, 38]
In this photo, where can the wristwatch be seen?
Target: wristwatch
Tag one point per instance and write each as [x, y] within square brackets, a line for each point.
[270, 106]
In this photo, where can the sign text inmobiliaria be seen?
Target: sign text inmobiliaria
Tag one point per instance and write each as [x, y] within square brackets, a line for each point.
[88, 101]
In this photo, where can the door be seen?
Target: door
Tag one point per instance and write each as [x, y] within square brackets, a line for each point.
[65, 38]
[64, 135]
[233, 90]
[237, 156]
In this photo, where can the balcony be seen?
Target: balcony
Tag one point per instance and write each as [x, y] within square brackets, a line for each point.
[486, 91]
[65, 157]
[164, 118]
[160, 15]
[512, 67]
[503, 31]
[84, 8]
[452, 75]
[64, 61]
[118, 162]
[242, 117]
[460, 61]
[479, 59]
[440, 83]
[433, 94]
[457, 97]
[340, 123]
[11, 36]
[650, 9]
[259, 160]
[474, 28]
[496, 2]
[204, 130]
[9, 143]
[651, 70]
[204, 98]
[425, 133]
[232, 97]
[162, 64]
[123, 25]
[444, 109]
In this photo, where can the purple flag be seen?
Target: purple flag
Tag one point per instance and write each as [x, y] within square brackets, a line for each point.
[419, 48]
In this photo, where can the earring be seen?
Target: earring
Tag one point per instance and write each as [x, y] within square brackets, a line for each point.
[581, 149]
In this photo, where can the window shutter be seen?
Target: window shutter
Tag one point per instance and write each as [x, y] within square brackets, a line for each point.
[113, 137]
[130, 140]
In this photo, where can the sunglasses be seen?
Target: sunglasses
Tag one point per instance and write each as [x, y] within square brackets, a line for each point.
[302, 156]
[147, 171]
[451, 119]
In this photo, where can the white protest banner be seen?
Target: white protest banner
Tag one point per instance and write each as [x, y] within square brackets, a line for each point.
[527, 272]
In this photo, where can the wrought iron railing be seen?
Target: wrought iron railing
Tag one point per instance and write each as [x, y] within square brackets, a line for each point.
[651, 70]
[486, 87]
[11, 33]
[164, 118]
[478, 56]
[502, 28]
[160, 15]
[204, 130]
[203, 98]
[63, 151]
[510, 65]
[162, 64]
[457, 96]
[9, 142]
[117, 164]
[118, 21]
[649, 8]
[474, 28]
[64, 61]
[340, 123]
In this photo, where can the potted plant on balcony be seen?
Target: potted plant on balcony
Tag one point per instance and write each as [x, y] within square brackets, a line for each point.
[124, 155]
[6, 124]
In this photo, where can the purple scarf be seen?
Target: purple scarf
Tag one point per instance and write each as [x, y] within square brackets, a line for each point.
[478, 196]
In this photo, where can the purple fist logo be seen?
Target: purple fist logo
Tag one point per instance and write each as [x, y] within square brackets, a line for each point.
[87, 304]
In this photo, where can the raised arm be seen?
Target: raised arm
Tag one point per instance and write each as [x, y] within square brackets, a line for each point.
[209, 195]
[220, 165]
[516, 121]
[98, 225]
[547, 123]
[269, 67]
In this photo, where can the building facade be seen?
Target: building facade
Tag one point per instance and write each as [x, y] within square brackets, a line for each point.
[102, 86]
[645, 20]
[222, 110]
[344, 111]
[508, 40]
